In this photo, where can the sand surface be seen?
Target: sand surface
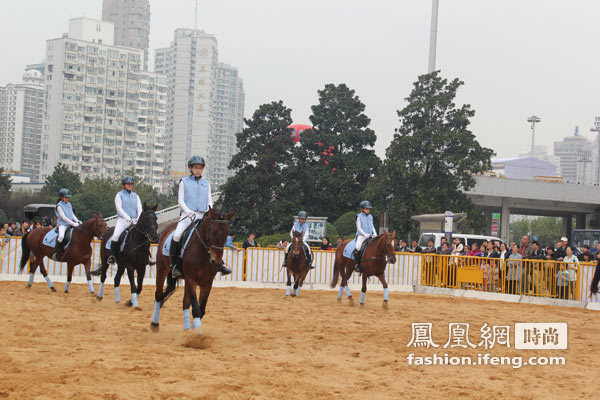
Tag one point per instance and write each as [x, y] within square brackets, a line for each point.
[258, 344]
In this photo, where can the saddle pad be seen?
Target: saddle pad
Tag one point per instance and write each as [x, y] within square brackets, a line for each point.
[349, 249]
[167, 246]
[122, 240]
[52, 235]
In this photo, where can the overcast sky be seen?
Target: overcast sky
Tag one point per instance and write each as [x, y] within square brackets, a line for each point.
[516, 57]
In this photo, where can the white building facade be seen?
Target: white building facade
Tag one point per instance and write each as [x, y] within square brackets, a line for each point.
[190, 64]
[104, 116]
[575, 157]
[131, 19]
[21, 114]
[229, 120]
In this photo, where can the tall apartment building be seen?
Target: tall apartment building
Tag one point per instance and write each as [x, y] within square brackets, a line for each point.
[229, 119]
[132, 23]
[190, 64]
[104, 116]
[575, 157]
[21, 112]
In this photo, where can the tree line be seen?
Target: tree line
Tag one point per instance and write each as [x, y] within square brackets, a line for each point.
[428, 167]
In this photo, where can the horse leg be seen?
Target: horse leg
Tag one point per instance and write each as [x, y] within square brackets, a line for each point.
[363, 290]
[45, 275]
[289, 282]
[131, 276]
[295, 291]
[33, 264]
[345, 276]
[118, 277]
[87, 264]
[70, 268]
[188, 295]
[161, 275]
[385, 290]
[102, 280]
[301, 281]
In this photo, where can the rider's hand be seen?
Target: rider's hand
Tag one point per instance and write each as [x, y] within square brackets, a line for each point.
[134, 221]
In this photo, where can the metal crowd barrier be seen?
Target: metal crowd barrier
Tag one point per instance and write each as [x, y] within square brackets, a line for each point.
[539, 278]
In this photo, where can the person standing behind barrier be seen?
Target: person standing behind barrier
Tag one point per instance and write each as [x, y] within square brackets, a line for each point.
[513, 271]
[325, 245]
[250, 241]
[25, 227]
[457, 248]
[229, 242]
[415, 248]
[559, 252]
[573, 266]
[66, 217]
[129, 209]
[562, 282]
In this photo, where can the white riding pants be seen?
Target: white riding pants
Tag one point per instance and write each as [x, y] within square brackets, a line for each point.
[120, 226]
[360, 240]
[61, 232]
[183, 224]
[304, 243]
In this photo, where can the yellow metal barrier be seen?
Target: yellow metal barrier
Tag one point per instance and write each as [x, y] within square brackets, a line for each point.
[522, 277]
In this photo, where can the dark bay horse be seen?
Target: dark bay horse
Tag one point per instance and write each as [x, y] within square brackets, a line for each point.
[297, 265]
[378, 253]
[78, 252]
[201, 262]
[134, 257]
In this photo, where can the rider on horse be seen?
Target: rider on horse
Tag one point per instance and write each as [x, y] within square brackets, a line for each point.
[65, 218]
[194, 199]
[364, 230]
[302, 227]
[129, 208]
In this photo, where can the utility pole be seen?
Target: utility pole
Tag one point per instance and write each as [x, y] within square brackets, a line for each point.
[596, 150]
[196, 17]
[433, 36]
[533, 120]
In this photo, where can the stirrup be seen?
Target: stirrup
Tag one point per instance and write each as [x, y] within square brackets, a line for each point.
[176, 272]
[111, 259]
[357, 268]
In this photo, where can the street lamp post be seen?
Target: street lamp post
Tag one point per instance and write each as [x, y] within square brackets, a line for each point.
[533, 120]
[596, 155]
[433, 36]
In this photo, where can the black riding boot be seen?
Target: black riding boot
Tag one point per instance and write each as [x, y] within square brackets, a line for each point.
[114, 252]
[57, 249]
[357, 261]
[284, 265]
[309, 259]
[174, 254]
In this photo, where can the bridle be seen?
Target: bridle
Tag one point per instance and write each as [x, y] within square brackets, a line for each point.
[144, 233]
[96, 227]
[382, 253]
[209, 247]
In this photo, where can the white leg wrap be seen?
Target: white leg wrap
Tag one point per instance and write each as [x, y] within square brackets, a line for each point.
[48, 281]
[156, 313]
[347, 289]
[385, 294]
[67, 286]
[101, 290]
[117, 294]
[91, 286]
[341, 292]
[362, 297]
[287, 290]
[134, 299]
[197, 323]
[30, 278]
[186, 319]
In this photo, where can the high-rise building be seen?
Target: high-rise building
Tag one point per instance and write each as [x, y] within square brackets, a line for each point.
[41, 66]
[190, 64]
[21, 112]
[104, 116]
[229, 119]
[132, 23]
[575, 157]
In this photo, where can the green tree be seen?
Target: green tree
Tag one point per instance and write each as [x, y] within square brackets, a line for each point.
[335, 159]
[5, 181]
[346, 223]
[61, 177]
[548, 229]
[257, 190]
[433, 157]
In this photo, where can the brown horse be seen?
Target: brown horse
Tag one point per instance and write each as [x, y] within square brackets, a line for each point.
[78, 252]
[378, 253]
[201, 262]
[297, 265]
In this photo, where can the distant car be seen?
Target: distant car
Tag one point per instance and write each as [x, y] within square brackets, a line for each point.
[467, 240]
[40, 212]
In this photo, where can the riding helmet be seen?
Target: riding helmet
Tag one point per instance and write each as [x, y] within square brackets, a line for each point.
[302, 214]
[196, 160]
[365, 204]
[127, 179]
[64, 193]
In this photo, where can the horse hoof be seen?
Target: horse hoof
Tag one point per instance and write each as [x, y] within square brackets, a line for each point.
[128, 303]
[293, 294]
[154, 327]
[53, 289]
[351, 301]
[66, 291]
[99, 298]
[362, 304]
[138, 308]
[385, 305]
[28, 286]
[339, 300]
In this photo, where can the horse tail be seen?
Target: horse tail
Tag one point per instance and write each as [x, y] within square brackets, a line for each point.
[595, 280]
[25, 252]
[336, 273]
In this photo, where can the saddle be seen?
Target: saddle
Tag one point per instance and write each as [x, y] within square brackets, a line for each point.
[186, 236]
[362, 250]
[68, 235]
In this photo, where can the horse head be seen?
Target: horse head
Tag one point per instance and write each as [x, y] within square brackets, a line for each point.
[296, 245]
[98, 225]
[390, 246]
[148, 222]
[216, 228]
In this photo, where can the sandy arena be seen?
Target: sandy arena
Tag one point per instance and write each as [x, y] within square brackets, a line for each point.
[258, 344]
